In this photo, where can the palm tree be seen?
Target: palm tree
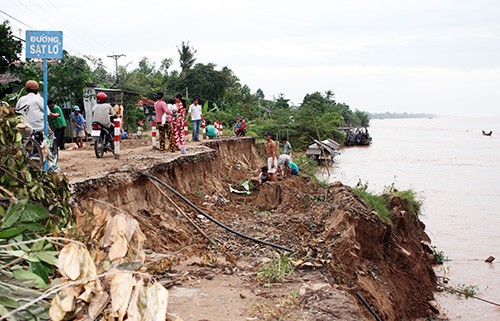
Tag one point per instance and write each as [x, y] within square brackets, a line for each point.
[330, 96]
[186, 56]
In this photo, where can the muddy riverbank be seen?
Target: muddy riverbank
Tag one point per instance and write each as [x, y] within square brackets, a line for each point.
[340, 246]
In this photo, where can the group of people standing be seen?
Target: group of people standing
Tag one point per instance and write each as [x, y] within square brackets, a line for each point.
[171, 120]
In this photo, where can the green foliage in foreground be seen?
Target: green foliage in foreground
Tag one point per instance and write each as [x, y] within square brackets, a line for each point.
[33, 205]
[50, 190]
[391, 197]
[276, 270]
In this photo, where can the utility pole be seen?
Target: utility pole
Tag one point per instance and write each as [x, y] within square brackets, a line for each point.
[116, 57]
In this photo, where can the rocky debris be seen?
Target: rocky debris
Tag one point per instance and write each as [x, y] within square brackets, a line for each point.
[489, 259]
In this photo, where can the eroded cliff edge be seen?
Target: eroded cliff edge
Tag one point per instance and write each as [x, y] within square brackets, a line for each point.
[331, 231]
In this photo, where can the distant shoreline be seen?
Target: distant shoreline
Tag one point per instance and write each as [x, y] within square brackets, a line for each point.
[388, 115]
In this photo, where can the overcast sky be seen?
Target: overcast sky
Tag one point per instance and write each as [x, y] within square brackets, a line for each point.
[434, 56]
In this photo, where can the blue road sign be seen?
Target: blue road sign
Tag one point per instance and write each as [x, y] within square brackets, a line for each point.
[44, 44]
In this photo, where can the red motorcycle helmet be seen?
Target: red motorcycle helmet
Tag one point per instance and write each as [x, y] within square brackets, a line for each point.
[101, 97]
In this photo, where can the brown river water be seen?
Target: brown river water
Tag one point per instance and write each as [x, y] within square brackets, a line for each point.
[455, 170]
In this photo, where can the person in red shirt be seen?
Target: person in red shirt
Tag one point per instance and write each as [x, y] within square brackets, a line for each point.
[178, 122]
[242, 130]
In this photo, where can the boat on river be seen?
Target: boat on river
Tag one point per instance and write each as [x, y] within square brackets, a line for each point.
[358, 136]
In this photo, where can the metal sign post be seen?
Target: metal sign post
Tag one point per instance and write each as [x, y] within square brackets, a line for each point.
[44, 45]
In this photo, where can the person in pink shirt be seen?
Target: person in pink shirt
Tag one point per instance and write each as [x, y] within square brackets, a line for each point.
[162, 114]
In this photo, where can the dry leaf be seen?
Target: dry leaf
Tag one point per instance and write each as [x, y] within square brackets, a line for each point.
[117, 226]
[56, 313]
[87, 270]
[132, 228]
[67, 298]
[69, 261]
[157, 301]
[121, 290]
[87, 293]
[97, 304]
[133, 313]
[119, 249]
[99, 218]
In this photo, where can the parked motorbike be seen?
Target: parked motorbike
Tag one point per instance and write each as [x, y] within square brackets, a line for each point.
[103, 139]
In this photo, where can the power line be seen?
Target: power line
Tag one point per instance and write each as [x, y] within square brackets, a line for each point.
[90, 37]
[68, 47]
[116, 57]
[49, 23]
[32, 28]
[18, 38]
[67, 28]
[34, 15]
[8, 15]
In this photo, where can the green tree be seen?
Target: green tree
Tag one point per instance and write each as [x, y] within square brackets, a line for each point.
[346, 113]
[145, 78]
[315, 102]
[360, 119]
[10, 48]
[330, 96]
[186, 56]
[259, 93]
[203, 81]
[99, 76]
[67, 79]
[281, 102]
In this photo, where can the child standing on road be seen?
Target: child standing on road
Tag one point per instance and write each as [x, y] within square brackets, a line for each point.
[80, 126]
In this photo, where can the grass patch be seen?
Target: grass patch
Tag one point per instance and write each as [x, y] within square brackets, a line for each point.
[286, 308]
[438, 255]
[276, 271]
[409, 197]
[391, 197]
[199, 194]
[378, 203]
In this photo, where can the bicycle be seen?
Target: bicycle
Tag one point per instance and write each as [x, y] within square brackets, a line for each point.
[33, 153]
[33, 150]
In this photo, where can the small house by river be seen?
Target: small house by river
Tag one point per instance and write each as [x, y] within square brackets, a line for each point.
[324, 150]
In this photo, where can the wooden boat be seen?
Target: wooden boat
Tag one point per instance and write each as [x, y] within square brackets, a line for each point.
[487, 134]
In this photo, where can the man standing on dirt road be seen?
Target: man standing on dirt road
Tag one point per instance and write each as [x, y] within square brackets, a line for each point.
[58, 123]
[31, 107]
[272, 162]
[196, 115]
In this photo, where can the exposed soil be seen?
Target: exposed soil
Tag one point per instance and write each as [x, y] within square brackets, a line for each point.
[340, 247]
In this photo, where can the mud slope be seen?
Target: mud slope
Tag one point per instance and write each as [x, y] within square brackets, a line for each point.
[329, 229]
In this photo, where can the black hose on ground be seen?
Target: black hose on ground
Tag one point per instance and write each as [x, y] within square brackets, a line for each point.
[213, 219]
[368, 306]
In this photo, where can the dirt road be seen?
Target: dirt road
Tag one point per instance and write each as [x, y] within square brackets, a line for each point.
[82, 164]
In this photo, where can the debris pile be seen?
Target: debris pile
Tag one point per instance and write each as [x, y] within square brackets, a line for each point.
[108, 281]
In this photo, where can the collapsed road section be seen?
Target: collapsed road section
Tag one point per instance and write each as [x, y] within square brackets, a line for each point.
[334, 235]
